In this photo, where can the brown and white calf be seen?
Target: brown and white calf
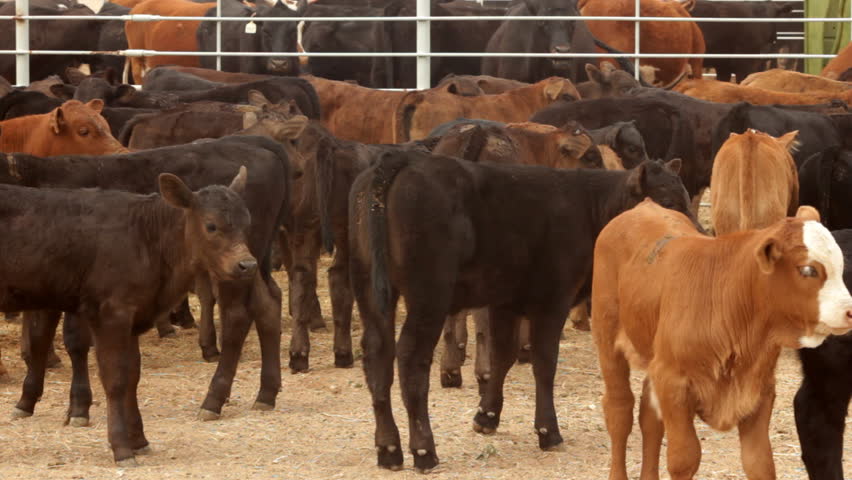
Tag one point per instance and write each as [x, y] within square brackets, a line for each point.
[707, 319]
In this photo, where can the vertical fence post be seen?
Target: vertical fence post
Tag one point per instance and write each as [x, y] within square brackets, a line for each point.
[218, 34]
[22, 42]
[424, 40]
[636, 25]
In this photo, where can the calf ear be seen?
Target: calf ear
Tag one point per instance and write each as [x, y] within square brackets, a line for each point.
[175, 192]
[63, 91]
[57, 120]
[238, 184]
[674, 165]
[249, 120]
[636, 180]
[96, 105]
[257, 98]
[789, 142]
[553, 89]
[767, 255]
[806, 212]
[594, 73]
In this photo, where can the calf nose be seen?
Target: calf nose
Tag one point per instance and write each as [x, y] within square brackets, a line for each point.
[247, 267]
[278, 64]
[561, 49]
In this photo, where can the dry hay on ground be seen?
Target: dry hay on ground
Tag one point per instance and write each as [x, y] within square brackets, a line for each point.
[322, 426]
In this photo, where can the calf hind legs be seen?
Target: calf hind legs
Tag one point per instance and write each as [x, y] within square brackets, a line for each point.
[545, 350]
[77, 337]
[341, 308]
[652, 429]
[455, 345]
[39, 328]
[500, 328]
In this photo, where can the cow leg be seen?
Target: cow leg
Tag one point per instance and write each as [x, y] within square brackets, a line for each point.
[652, 434]
[820, 407]
[135, 430]
[236, 323]
[545, 351]
[455, 344]
[683, 453]
[755, 447]
[341, 307]
[482, 364]
[39, 330]
[182, 316]
[52, 361]
[113, 345]
[265, 308]
[207, 329]
[618, 403]
[165, 329]
[524, 341]
[304, 303]
[415, 349]
[78, 340]
[378, 344]
[502, 338]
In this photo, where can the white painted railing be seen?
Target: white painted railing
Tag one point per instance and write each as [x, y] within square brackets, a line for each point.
[422, 52]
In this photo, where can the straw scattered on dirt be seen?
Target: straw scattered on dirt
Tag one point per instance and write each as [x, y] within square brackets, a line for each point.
[322, 426]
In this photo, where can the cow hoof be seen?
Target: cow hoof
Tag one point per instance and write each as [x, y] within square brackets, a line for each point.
[487, 421]
[127, 463]
[524, 354]
[146, 450]
[424, 460]
[389, 457]
[483, 430]
[78, 421]
[210, 355]
[344, 360]
[17, 413]
[207, 415]
[451, 379]
[298, 362]
[549, 441]
[263, 407]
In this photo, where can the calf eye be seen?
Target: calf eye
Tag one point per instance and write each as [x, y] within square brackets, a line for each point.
[83, 131]
[211, 227]
[807, 271]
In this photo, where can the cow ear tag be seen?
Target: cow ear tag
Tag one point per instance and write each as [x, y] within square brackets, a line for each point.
[251, 28]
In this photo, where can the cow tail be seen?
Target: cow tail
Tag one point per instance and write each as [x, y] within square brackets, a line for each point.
[324, 182]
[127, 130]
[384, 172]
[625, 64]
[313, 98]
[404, 114]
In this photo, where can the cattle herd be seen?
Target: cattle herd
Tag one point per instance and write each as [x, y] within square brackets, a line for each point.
[521, 191]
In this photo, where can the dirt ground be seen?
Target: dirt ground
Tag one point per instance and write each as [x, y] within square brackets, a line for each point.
[322, 426]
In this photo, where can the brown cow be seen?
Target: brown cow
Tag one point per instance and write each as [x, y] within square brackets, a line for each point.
[71, 128]
[754, 181]
[780, 80]
[656, 37]
[708, 329]
[419, 112]
[726, 92]
[164, 35]
[487, 84]
[838, 64]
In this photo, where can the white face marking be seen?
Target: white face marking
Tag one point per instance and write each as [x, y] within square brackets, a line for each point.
[834, 299]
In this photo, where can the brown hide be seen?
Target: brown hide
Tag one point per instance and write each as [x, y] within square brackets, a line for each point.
[780, 80]
[838, 64]
[726, 92]
[754, 181]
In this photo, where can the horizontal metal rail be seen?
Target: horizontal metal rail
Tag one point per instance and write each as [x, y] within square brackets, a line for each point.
[158, 18]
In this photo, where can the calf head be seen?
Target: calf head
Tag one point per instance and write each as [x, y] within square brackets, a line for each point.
[555, 36]
[801, 272]
[556, 88]
[217, 223]
[629, 144]
[282, 121]
[280, 36]
[660, 182]
[574, 146]
[79, 128]
[607, 81]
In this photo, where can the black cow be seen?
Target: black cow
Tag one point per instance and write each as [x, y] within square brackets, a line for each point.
[165, 79]
[731, 37]
[446, 220]
[112, 39]
[375, 72]
[253, 36]
[199, 164]
[625, 140]
[69, 251]
[540, 37]
[825, 182]
[822, 401]
[49, 35]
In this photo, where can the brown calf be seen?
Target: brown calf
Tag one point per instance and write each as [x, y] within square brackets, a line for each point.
[726, 92]
[708, 328]
[839, 64]
[781, 80]
[487, 84]
[164, 35]
[419, 112]
[71, 128]
[754, 181]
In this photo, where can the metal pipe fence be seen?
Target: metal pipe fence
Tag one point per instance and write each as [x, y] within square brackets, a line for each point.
[422, 51]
